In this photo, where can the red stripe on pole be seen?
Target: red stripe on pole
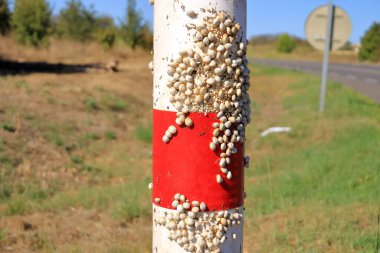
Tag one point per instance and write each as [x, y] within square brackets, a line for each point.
[188, 166]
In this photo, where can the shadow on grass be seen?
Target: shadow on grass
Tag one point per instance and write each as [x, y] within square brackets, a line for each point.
[10, 67]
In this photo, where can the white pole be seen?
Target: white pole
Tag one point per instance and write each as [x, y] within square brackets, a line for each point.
[174, 21]
[325, 66]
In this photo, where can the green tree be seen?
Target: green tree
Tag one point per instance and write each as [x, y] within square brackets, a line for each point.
[31, 22]
[370, 44]
[132, 28]
[5, 17]
[104, 23]
[347, 46]
[285, 43]
[106, 31]
[76, 21]
[146, 37]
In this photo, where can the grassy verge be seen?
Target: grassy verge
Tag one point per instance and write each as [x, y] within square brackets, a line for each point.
[316, 189]
[125, 201]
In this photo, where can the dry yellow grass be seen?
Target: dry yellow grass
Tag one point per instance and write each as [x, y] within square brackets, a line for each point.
[73, 132]
[67, 52]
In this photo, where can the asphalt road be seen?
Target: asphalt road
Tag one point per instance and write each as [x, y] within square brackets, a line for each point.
[360, 77]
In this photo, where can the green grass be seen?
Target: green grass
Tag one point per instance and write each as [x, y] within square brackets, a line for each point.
[321, 175]
[7, 164]
[126, 201]
[79, 163]
[14, 207]
[5, 189]
[41, 241]
[115, 102]
[22, 84]
[22, 197]
[3, 234]
[318, 173]
[57, 140]
[117, 250]
[89, 168]
[91, 104]
[118, 105]
[144, 133]
[92, 136]
[77, 159]
[8, 127]
[64, 134]
[110, 101]
[110, 135]
[270, 71]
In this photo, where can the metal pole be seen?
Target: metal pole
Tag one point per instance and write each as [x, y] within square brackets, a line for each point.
[197, 182]
[325, 66]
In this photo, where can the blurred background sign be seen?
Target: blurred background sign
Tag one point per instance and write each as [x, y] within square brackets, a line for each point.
[316, 25]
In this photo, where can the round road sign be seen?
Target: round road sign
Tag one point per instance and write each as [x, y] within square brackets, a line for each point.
[316, 25]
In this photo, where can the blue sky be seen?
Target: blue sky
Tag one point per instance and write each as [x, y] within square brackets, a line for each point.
[265, 16]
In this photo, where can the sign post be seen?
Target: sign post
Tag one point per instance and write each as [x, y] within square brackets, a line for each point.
[325, 66]
[327, 28]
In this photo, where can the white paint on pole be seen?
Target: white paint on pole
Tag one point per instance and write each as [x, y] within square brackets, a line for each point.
[171, 36]
[325, 66]
[161, 243]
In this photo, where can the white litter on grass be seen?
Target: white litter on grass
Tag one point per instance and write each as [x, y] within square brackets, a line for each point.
[272, 130]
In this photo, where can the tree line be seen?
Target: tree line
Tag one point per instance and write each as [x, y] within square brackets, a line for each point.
[369, 44]
[32, 24]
